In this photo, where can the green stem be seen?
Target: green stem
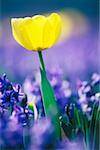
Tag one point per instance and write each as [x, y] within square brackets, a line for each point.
[49, 102]
[41, 61]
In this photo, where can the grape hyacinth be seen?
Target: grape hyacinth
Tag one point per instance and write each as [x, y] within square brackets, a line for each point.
[23, 124]
[14, 114]
[61, 88]
[89, 92]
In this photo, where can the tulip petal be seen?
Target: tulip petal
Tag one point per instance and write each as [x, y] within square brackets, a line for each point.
[55, 21]
[47, 36]
[35, 31]
[38, 32]
[27, 28]
[19, 33]
[39, 22]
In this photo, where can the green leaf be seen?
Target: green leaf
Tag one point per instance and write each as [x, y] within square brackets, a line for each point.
[96, 131]
[64, 118]
[68, 130]
[94, 126]
[33, 108]
[49, 103]
[86, 131]
[76, 117]
[84, 125]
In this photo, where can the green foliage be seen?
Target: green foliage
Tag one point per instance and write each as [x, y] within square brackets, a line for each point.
[81, 123]
[49, 103]
[94, 127]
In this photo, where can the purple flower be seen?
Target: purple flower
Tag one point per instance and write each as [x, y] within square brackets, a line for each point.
[5, 84]
[62, 90]
[42, 135]
[10, 133]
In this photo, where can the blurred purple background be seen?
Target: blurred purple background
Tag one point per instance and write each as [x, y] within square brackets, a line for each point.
[76, 53]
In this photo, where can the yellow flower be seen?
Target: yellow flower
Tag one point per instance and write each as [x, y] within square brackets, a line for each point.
[38, 32]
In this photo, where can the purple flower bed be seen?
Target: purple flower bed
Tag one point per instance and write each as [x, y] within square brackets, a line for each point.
[23, 127]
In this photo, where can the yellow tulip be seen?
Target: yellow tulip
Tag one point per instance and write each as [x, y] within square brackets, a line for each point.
[38, 32]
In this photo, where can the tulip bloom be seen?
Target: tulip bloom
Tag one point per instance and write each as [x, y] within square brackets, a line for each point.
[38, 32]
